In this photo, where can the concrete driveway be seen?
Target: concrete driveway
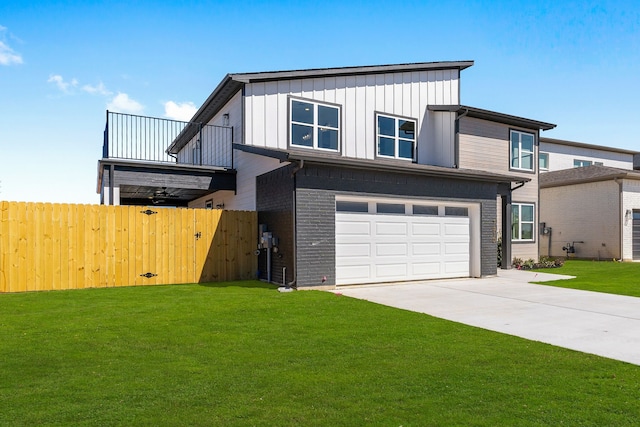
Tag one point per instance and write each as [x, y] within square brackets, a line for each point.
[590, 322]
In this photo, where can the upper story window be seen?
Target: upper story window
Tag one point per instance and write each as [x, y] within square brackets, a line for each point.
[577, 163]
[543, 161]
[522, 146]
[315, 125]
[395, 137]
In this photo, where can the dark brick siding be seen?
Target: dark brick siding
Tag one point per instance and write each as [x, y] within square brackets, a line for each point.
[274, 203]
[316, 231]
[316, 187]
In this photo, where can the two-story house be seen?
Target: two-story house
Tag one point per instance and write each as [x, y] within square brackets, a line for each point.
[589, 201]
[369, 174]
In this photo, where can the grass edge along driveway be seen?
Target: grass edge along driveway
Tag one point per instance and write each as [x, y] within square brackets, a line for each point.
[243, 354]
[621, 278]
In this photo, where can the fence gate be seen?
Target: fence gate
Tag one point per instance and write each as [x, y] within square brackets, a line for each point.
[56, 246]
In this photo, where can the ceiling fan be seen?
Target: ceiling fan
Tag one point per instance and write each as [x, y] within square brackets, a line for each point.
[161, 196]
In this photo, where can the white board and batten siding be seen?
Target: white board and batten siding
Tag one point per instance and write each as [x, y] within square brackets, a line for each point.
[404, 94]
[234, 109]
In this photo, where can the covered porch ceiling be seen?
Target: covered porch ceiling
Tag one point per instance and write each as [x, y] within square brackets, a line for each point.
[146, 183]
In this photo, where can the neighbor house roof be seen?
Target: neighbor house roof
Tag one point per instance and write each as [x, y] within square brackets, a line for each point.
[478, 113]
[232, 83]
[381, 164]
[583, 175]
[591, 146]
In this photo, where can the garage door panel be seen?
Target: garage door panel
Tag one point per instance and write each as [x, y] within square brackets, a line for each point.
[426, 268]
[418, 249]
[421, 229]
[456, 248]
[354, 273]
[387, 271]
[353, 228]
[374, 248]
[351, 250]
[391, 249]
[391, 229]
[459, 229]
[460, 267]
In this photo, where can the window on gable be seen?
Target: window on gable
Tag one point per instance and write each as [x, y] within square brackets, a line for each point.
[577, 163]
[395, 137]
[543, 161]
[522, 145]
[315, 125]
[522, 221]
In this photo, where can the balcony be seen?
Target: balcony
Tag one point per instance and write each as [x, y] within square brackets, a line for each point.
[161, 161]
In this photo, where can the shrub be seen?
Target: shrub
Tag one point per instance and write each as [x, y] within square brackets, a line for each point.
[544, 262]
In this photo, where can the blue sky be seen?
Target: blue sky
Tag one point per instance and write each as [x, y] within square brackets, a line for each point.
[62, 64]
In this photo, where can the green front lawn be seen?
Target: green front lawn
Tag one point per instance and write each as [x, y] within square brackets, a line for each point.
[621, 278]
[242, 354]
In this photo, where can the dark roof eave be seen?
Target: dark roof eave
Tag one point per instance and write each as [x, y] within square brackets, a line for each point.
[479, 113]
[352, 71]
[384, 165]
[586, 145]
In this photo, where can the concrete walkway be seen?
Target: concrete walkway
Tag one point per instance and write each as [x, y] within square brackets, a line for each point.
[591, 322]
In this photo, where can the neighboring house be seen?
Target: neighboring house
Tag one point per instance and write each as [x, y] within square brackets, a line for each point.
[595, 209]
[556, 154]
[361, 174]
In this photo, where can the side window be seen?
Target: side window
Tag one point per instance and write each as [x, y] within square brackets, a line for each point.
[522, 148]
[577, 163]
[543, 161]
[522, 222]
[314, 125]
[395, 137]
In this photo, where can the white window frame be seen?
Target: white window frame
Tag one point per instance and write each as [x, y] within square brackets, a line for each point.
[521, 151]
[397, 138]
[540, 154]
[519, 238]
[316, 127]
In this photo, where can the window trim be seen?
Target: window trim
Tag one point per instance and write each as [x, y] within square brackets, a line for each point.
[396, 137]
[540, 153]
[534, 160]
[315, 125]
[533, 222]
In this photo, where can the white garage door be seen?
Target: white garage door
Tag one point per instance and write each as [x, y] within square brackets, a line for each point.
[384, 247]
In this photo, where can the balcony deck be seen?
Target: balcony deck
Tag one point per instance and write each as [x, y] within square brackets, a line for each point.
[137, 167]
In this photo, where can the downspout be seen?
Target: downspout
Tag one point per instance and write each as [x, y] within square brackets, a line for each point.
[456, 145]
[295, 234]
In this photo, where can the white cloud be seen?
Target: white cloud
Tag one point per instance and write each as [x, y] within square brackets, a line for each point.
[183, 111]
[123, 104]
[7, 55]
[99, 89]
[61, 83]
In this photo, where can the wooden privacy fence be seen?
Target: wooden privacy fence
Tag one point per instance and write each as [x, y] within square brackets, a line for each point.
[58, 246]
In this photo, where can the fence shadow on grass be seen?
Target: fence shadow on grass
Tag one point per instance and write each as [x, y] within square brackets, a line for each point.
[240, 284]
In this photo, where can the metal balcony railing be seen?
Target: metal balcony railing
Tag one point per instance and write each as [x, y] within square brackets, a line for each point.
[147, 139]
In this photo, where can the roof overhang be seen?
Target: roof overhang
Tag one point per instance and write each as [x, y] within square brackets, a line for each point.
[383, 165]
[589, 146]
[478, 113]
[583, 175]
[153, 182]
